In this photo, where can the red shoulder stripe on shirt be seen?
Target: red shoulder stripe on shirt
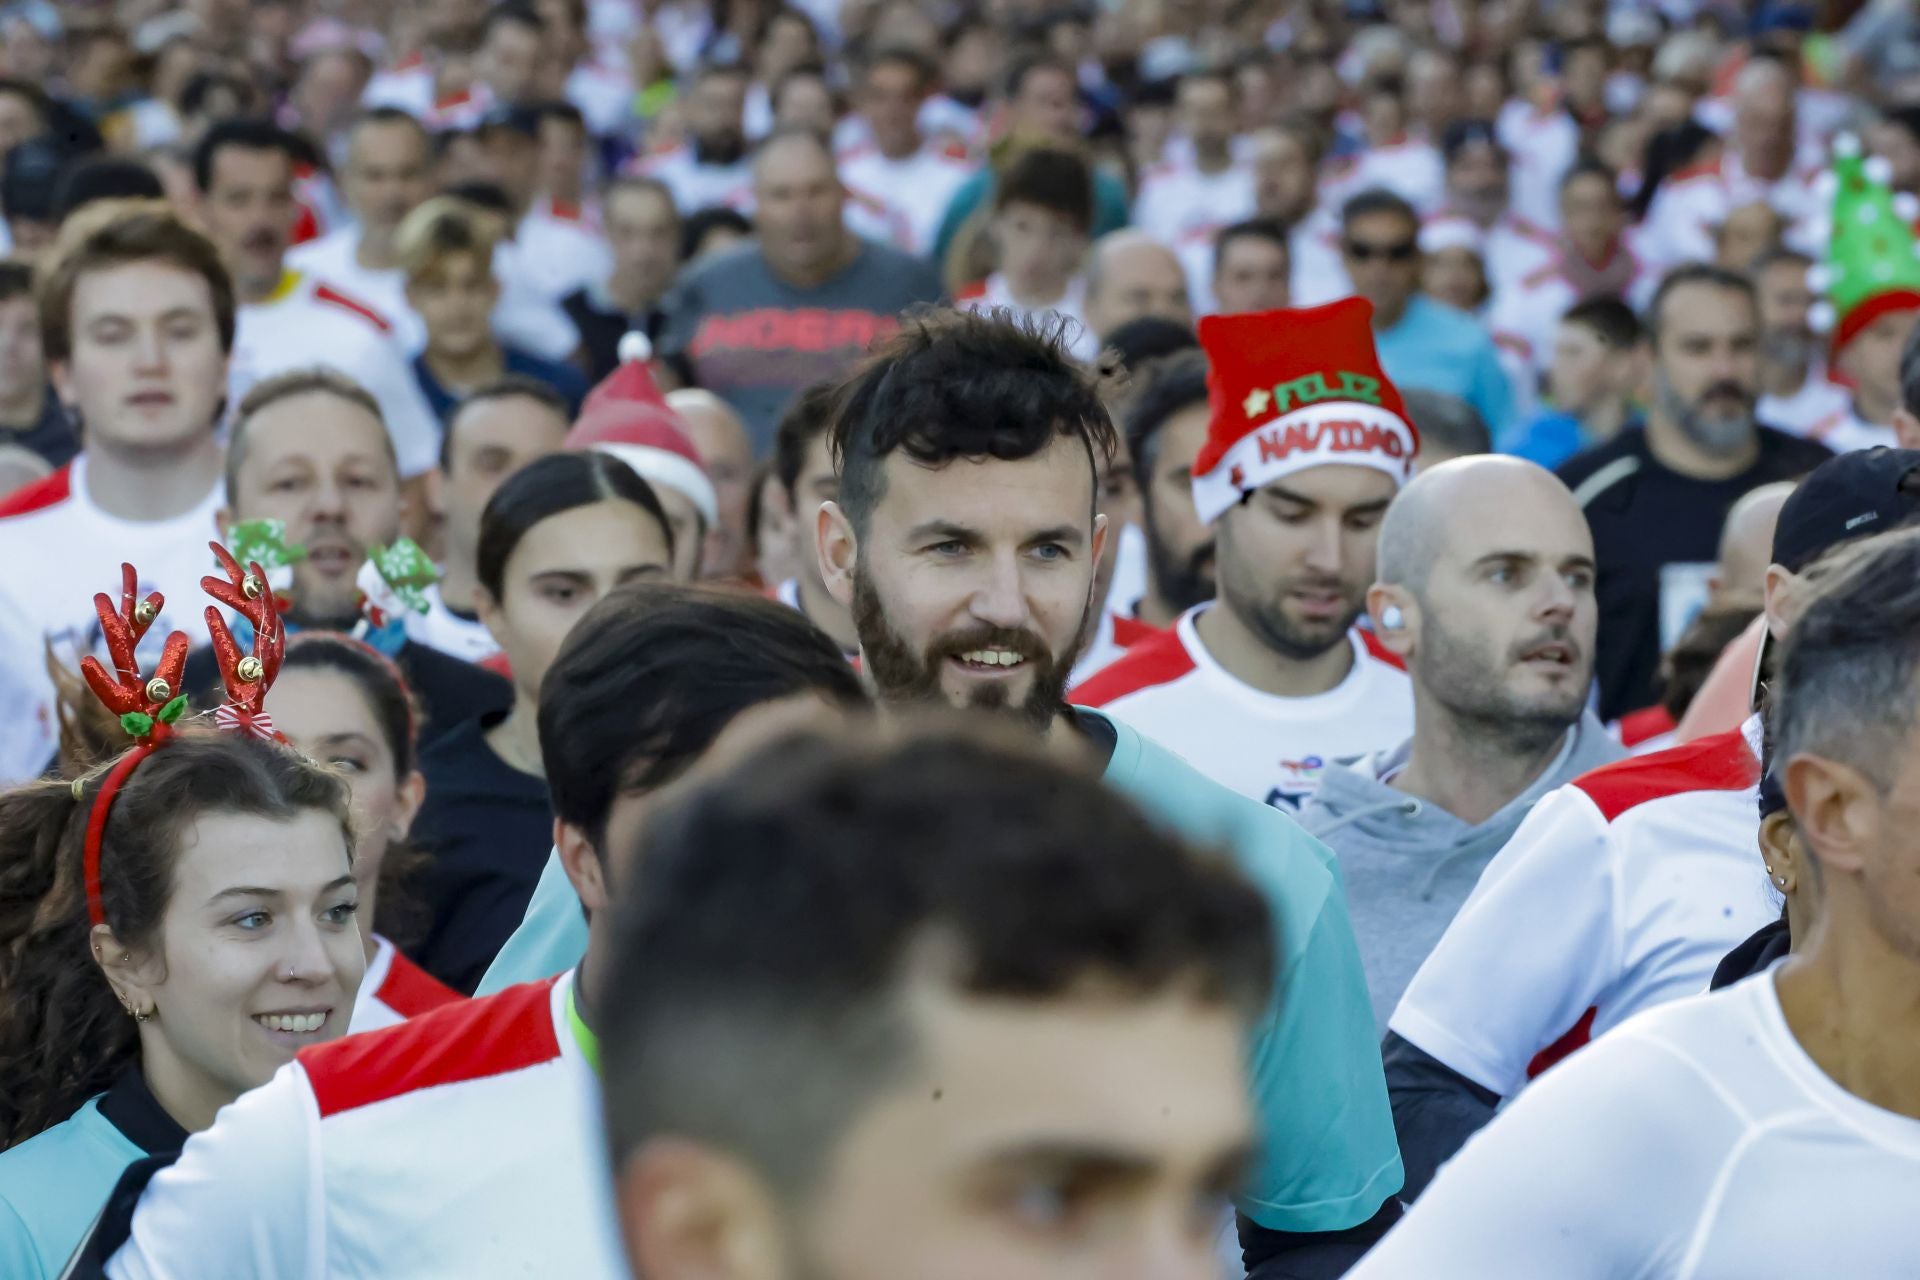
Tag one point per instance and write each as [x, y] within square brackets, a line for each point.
[1722, 762]
[411, 991]
[1380, 652]
[1637, 727]
[466, 1040]
[38, 495]
[1156, 660]
[967, 293]
[1704, 169]
[328, 294]
[1128, 632]
[1577, 1036]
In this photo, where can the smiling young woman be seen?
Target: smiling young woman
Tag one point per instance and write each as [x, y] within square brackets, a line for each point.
[214, 939]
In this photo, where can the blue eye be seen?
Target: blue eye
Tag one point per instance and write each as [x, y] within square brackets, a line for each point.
[253, 921]
[342, 914]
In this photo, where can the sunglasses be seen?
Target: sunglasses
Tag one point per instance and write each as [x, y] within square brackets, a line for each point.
[1360, 251]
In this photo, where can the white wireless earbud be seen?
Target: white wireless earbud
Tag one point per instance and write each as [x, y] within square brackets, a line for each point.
[1391, 618]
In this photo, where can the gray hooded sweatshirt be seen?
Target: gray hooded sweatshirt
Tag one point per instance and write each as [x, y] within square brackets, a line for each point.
[1408, 864]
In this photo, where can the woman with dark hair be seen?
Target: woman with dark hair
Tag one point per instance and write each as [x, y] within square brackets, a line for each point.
[175, 925]
[555, 537]
[346, 705]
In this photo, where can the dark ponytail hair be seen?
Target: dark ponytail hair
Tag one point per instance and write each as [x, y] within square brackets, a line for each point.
[551, 486]
[397, 916]
[63, 1034]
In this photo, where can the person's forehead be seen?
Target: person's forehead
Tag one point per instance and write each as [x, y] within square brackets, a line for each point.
[140, 289]
[792, 160]
[1384, 222]
[390, 141]
[1051, 487]
[1707, 307]
[315, 427]
[1337, 485]
[514, 420]
[1256, 247]
[251, 164]
[317, 702]
[221, 850]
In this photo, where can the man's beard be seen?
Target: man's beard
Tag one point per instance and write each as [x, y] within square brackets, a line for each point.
[902, 675]
[1786, 348]
[1182, 582]
[1476, 692]
[1717, 434]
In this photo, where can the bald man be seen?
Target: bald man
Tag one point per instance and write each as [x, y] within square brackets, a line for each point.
[1746, 548]
[1495, 621]
[1131, 275]
[720, 438]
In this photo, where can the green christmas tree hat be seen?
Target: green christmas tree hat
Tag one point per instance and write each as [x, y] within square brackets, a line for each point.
[1872, 266]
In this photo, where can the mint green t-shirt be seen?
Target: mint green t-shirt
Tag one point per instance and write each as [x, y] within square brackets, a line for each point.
[1329, 1158]
[52, 1187]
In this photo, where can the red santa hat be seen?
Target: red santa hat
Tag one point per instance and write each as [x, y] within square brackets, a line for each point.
[1289, 390]
[627, 417]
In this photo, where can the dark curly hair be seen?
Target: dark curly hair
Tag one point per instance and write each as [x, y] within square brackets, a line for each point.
[959, 385]
[63, 1034]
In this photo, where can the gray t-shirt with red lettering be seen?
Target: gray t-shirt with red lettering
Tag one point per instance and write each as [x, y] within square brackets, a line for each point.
[756, 341]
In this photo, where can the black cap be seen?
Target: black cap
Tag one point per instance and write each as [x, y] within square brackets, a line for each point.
[1852, 496]
[1462, 134]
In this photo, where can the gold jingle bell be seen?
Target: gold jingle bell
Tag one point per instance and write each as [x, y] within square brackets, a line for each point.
[144, 613]
[250, 669]
[250, 587]
[158, 690]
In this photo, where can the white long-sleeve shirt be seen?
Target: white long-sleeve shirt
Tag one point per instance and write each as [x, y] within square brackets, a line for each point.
[1697, 1142]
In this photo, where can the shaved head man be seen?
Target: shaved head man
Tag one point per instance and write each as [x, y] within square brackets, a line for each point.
[720, 437]
[1495, 620]
[1746, 547]
[1130, 275]
[1764, 119]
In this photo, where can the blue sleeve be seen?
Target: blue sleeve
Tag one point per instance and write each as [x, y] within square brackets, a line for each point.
[965, 200]
[1490, 394]
[1329, 1157]
[19, 1255]
[550, 940]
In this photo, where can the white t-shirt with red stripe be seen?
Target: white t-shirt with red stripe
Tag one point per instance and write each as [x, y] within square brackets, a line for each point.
[462, 1143]
[1621, 891]
[395, 989]
[901, 202]
[1270, 748]
[307, 323]
[57, 549]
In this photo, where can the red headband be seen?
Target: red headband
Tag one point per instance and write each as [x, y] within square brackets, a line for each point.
[148, 708]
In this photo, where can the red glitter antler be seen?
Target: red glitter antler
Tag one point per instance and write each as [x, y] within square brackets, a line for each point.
[145, 706]
[249, 676]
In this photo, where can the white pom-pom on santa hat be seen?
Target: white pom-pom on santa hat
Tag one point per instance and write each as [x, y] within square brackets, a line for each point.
[1820, 277]
[1907, 205]
[634, 345]
[1821, 317]
[1826, 185]
[1878, 169]
[1846, 145]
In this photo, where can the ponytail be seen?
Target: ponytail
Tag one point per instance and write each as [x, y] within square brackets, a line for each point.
[63, 1034]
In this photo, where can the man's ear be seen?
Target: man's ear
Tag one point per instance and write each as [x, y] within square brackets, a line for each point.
[581, 861]
[1778, 600]
[411, 794]
[62, 379]
[1396, 617]
[837, 551]
[223, 521]
[688, 1212]
[1837, 809]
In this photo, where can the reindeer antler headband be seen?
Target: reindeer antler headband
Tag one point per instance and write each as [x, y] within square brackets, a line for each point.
[149, 707]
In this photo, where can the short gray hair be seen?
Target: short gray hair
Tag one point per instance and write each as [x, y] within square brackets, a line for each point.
[1846, 689]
